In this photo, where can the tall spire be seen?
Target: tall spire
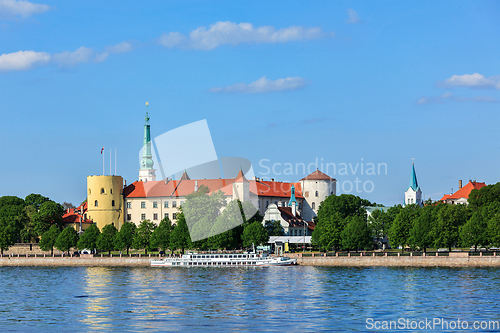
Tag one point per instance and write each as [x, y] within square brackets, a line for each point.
[413, 180]
[146, 171]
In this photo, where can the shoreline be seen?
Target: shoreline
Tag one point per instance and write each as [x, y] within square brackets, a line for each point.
[354, 261]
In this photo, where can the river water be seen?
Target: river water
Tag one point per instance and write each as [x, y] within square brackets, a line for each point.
[297, 299]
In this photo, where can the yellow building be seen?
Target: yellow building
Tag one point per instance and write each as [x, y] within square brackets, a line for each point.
[105, 200]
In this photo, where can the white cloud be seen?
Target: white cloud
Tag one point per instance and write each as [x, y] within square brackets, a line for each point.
[67, 58]
[353, 16]
[475, 80]
[22, 60]
[122, 47]
[222, 33]
[264, 85]
[449, 96]
[21, 8]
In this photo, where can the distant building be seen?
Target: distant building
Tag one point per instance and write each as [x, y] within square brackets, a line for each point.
[77, 218]
[289, 217]
[462, 195]
[413, 194]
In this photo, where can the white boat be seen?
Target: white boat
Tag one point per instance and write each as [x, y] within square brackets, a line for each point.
[224, 260]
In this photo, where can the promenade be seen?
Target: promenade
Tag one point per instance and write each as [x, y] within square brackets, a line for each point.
[452, 259]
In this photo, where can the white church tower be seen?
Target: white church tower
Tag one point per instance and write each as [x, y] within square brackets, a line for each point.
[146, 172]
[413, 194]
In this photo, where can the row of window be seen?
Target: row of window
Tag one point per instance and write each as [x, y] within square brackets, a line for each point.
[96, 203]
[155, 204]
[155, 216]
[103, 191]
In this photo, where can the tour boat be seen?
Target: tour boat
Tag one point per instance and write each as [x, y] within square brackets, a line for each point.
[224, 260]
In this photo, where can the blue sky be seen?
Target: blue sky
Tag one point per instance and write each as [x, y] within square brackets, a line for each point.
[279, 82]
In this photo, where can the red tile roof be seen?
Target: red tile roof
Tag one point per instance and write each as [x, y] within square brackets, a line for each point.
[464, 191]
[278, 189]
[181, 188]
[294, 221]
[317, 175]
[70, 216]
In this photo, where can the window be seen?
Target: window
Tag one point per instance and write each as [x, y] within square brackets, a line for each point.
[412, 200]
[90, 191]
[174, 216]
[155, 216]
[96, 204]
[143, 204]
[166, 215]
[103, 191]
[166, 204]
[143, 217]
[112, 203]
[317, 194]
[129, 204]
[174, 204]
[155, 204]
[408, 201]
[129, 217]
[267, 204]
[111, 191]
[313, 205]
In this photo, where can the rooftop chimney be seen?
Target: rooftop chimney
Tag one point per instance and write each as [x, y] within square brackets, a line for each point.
[459, 184]
[196, 186]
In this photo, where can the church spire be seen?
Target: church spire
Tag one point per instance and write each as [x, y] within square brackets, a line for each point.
[146, 172]
[413, 180]
[292, 197]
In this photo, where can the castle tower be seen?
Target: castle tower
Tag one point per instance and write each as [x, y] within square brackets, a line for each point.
[241, 187]
[146, 172]
[413, 194]
[105, 200]
[315, 188]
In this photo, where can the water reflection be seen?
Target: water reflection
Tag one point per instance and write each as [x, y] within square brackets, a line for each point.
[252, 298]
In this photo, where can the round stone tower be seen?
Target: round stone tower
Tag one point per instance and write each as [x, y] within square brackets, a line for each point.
[315, 188]
[105, 200]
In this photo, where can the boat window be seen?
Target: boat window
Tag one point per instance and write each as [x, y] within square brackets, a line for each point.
[239, 255]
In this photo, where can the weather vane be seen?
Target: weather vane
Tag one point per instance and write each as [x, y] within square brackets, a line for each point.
[147, 104]
[412, 159]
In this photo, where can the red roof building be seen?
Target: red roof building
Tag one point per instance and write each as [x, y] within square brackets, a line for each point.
[462, 195]
[77, 218]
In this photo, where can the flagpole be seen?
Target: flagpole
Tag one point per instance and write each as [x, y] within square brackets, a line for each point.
[110, 161]
[115, 161]
[102, 153]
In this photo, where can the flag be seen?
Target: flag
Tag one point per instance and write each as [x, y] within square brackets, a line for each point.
[102, 150]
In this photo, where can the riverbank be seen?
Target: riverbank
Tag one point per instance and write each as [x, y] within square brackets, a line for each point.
[459, 259]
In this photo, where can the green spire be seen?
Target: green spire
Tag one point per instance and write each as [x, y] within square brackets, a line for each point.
[292, 198]
[147, 158]
[413, 180]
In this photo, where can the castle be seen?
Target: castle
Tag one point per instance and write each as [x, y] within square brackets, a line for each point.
[294, 204]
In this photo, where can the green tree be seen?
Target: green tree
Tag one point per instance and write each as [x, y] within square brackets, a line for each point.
[227, 228]
[475, 231]
[12, 220]
[450, 218]
[356, 234]
[161, 235]
[254, 233]
[274, 228]
[67, 239]
[89, 238]
[106, 239]
[327, 233]
[494, 230]
[180, 239]
[49, 213]
[484, 196]
[143, 236]
[28, 233]
[422, 231]
[35, 200]
[125, 237]
[399, 233]
[379, 223]
[49, 238]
